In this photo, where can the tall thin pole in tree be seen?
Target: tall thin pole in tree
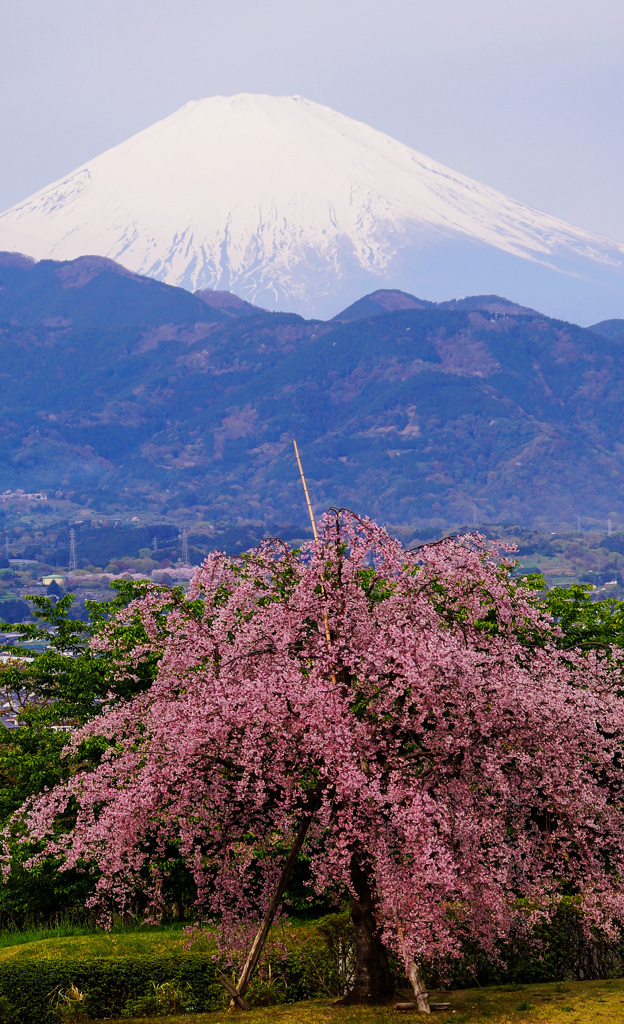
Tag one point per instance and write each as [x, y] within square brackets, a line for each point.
[315, 534]
[265, 927]
[305, 491]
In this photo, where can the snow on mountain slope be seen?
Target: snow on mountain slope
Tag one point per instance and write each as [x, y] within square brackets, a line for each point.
[290, 203]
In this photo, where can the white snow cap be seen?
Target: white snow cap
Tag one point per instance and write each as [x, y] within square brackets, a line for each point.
[283, 198]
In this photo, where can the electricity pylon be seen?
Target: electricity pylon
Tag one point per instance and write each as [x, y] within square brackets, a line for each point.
[185, 554]
[73, 561]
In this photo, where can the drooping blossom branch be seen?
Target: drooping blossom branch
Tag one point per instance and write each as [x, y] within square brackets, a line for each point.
[453, 756]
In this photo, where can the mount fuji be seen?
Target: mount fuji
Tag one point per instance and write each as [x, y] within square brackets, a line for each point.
[290, 204]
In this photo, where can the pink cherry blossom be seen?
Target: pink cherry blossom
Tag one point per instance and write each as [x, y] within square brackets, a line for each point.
[452, 759]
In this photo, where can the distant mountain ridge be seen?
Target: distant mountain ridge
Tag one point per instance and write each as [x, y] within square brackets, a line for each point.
[613, 329]
[134, 395]
[227, 302]
[292, 205]
[381, 301]
[90, 290]
[390, 301]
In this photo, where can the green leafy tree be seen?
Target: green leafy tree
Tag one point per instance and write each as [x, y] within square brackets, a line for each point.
[56, 681]
[586, 624]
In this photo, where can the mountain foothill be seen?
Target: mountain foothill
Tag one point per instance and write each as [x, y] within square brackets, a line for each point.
[122, 392]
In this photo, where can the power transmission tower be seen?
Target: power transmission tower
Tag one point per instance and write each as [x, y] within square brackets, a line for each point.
[185, 554]
[6, 544]
[475, 515]
[609, 526]
[73, 562]
[154, 544]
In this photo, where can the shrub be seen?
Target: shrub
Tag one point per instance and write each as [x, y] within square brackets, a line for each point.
[107, 984]
[70, 1005]
[563, 950]
[143, 985]
[338, 936]
[168, 997]
[7, 1011]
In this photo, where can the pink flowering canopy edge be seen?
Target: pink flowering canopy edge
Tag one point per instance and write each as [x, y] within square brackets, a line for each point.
[441, 743]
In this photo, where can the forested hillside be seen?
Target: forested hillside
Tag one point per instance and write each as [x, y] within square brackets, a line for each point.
[124, 393]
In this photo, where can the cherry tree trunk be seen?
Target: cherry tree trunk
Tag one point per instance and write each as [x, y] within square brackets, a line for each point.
[374, 982]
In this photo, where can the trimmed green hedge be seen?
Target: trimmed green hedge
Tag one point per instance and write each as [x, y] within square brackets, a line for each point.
[107, 982]
[110, 983]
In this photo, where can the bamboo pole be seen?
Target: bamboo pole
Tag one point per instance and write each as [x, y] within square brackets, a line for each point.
[305, 491]
[264, 929]
[311, 514]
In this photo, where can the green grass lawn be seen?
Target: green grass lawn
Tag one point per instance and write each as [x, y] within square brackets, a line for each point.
[570, 1002]
[68, 941]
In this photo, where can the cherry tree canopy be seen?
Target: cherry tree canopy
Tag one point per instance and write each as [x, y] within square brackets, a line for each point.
[448, 756]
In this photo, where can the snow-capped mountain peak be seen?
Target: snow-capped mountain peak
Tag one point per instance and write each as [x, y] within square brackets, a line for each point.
[289, 203]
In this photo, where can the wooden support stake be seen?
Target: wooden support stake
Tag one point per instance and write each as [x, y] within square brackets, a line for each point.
[236, 996]
[422, 996]
[414, 975]
[265, 927]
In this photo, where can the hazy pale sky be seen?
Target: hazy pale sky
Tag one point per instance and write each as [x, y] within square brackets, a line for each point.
[525, 95]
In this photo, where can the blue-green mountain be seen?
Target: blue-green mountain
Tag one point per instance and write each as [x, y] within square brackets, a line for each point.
[127, 393]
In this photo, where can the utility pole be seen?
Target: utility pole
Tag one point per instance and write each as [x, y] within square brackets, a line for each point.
[73, 562]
